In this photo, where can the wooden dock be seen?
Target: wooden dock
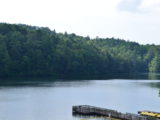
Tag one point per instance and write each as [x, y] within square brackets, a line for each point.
[91, 110]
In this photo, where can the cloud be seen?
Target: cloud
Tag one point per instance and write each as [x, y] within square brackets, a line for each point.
[151, 5]
[140, 6]
[129, 5]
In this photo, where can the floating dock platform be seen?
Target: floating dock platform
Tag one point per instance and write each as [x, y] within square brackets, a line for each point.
[96, 111]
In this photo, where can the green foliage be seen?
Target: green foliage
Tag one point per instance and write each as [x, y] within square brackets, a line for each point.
[154, 65]
[33, 51]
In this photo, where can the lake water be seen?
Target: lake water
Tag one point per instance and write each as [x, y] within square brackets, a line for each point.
[47, 99]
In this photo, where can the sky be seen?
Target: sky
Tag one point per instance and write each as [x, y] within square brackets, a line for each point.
[133, 20]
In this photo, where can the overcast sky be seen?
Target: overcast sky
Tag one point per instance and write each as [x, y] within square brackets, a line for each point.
[134, 20]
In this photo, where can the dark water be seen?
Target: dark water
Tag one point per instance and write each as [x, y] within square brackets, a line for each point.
[48, 99]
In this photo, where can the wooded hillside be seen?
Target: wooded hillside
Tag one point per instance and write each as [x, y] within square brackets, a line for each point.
[32, 51]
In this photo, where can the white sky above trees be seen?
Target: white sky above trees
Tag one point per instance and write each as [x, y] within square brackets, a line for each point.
[134, 20]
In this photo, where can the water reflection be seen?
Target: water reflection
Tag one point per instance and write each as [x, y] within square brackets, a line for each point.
[153, 84]
[76, 80]
[42, 82]
[153, 76]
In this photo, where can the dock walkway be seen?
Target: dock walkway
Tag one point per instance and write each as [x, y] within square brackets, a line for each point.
[91, 110]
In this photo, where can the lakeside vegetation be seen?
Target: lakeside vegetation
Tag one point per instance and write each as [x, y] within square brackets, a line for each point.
[38, 51]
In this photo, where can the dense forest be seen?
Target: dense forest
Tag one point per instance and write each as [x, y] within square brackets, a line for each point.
[38, 51]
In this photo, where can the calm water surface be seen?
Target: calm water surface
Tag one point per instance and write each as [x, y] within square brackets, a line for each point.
[53, 100]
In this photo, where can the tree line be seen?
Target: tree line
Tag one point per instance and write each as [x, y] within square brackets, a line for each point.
[38, 51]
